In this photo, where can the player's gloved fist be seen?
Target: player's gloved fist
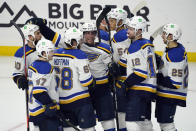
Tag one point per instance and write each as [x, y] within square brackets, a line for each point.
[113, 70]
[91, 87]
[121, 84]
[159, 61]
[160, 78]
[51, 109]
[36, 21]
[22, 82]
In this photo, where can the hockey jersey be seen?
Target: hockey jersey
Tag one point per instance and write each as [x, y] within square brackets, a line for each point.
[99, 57]
[58, 41]
[41, 79]
[120, 43]
[104, 36]
[141, 61]
[31, 56]
[72, 76]
[176, 68]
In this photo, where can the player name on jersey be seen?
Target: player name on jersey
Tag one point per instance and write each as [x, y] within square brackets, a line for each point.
[64, 62]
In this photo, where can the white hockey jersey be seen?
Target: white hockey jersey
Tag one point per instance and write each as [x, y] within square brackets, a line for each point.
[99, 57]
[141, 61]
[72, 76]
[41, 79]
[176, 67]
[120, 43]
[58, 41]
[31, 56]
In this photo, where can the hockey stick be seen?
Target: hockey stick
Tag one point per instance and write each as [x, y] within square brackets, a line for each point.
[63, 119]
[156, 33]
[103, 15]
[138, 7]
[113, 81]
[25, 68]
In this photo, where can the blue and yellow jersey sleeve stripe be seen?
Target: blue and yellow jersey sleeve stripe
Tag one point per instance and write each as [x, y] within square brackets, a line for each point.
[37, 90]
[171, 94]
[141, 73]
[176, 84]
[122, 63]
[56, 39]
[74, 97]
[33, 69]
[104, 49]
[36, 111]
[102, 80]
[145, 87]
[147, 44]
[87, 82]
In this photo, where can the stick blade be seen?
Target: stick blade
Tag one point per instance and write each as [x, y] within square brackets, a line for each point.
[139, 6]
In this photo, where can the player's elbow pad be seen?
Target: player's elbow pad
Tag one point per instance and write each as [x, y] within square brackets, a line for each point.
[47, 32]
[165, 81]
[43, 97]
[133, 79]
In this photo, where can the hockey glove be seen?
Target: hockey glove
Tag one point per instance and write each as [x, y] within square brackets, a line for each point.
[165, 81]
[51, 109]
[22, 82]
[91, 87]
[113, 70]
[121, 86]
[159, 61]
[37, 21]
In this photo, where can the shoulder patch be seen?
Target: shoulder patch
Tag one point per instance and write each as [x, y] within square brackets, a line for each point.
[104, 47]
[71, 53]
[20, 51]
[104, 35]
[41, 67]
[120, 36]
[176, 54]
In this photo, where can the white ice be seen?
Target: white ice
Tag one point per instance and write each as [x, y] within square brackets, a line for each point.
[13, 110]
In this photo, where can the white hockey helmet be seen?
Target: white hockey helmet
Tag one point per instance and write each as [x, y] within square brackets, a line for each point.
[172, 29]
[118, 14]
[46, 46]
[88, 27]
[137, 22]
[72, 34]
[29, 29]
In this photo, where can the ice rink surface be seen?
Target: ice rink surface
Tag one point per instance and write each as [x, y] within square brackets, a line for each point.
[13, 110]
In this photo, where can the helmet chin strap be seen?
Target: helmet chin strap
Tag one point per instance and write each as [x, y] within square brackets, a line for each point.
[33, 41]
[138, 34]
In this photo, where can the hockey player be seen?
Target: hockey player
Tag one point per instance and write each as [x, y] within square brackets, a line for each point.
[49, 34]
[99, 56]
[120, 43]
[32, 35]
[43, 97]
[73, 77]
[172, 78]
[141, 77]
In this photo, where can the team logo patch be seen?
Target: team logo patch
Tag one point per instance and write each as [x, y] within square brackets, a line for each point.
[92, 57]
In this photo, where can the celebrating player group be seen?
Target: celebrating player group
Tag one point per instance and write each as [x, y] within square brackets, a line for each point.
[104, 72]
